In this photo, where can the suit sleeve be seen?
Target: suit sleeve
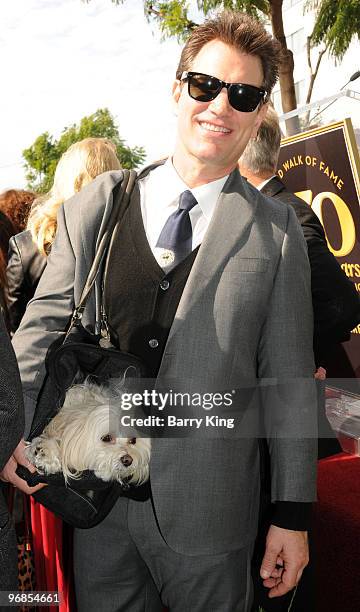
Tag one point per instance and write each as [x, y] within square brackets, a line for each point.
[16, 285]
[11, 401]
[310, 222]
[46, 316]
[286, 369]
[81, 221]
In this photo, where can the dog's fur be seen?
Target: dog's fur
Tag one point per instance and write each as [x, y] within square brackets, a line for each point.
[84, 435]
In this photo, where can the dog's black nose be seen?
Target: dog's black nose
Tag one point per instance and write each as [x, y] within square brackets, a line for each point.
[126, 460]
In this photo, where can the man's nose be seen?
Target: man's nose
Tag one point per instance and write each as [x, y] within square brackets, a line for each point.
[220, 104]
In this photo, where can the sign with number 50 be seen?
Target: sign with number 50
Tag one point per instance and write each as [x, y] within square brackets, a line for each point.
[322, 167]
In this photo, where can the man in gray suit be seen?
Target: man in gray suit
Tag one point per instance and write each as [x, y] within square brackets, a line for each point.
[208, 286]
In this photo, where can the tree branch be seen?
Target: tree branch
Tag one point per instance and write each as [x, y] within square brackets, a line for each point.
[313, 74]
[150, 10]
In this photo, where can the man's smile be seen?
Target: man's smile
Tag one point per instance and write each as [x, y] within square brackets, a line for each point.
[213, 127]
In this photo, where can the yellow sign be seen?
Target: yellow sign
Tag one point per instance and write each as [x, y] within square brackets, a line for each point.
[322, 167]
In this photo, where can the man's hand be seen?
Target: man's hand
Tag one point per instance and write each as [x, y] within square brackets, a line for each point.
[285, 557]
[8, 474]
[320, 374]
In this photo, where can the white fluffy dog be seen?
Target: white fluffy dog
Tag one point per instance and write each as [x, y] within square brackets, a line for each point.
[84, 435]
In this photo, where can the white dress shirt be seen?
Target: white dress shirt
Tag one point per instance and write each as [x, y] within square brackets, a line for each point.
[159, 197]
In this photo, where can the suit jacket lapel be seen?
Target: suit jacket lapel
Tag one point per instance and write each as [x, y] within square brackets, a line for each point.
[232, 217]
[273, 187]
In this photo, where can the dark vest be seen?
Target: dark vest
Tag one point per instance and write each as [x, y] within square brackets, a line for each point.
[140, 299]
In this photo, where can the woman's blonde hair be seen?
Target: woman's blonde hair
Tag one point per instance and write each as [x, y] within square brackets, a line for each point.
[78, 166]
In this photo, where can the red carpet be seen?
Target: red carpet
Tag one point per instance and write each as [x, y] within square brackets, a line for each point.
[53, 557]
[337, 534]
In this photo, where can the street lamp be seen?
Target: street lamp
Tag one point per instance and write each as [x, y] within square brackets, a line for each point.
[353, 77]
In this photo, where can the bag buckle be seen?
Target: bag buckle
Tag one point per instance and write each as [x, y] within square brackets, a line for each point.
[75, 320]
[105, 340]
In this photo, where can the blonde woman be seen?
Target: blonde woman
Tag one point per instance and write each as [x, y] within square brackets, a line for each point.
[77, 167]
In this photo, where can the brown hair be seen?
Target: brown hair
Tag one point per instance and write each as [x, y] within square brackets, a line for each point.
[16, 204]
[240, 31]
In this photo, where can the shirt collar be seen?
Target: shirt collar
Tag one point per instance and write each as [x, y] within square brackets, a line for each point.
[259, 187]
[206, 195]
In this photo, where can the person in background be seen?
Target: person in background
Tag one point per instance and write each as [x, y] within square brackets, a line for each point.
[16, 204]
[335, 301]
[7, 230]
[28, 250]
[11, 430]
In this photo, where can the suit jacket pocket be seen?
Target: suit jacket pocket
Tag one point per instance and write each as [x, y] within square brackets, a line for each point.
[241, 268]
[244, 287]
[247, 264]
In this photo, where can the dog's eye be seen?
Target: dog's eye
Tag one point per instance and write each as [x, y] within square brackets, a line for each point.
[107, 438]
[132, 441]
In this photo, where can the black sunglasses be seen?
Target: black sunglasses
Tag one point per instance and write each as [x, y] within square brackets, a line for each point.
[203, 88]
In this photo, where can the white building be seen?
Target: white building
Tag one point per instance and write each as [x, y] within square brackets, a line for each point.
[331, 77]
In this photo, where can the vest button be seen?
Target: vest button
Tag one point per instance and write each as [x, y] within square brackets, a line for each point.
[164, 285]
[153, 343]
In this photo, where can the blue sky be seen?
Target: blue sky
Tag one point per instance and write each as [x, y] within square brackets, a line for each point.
[63, 59]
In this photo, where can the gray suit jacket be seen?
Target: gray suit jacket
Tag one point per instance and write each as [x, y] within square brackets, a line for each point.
[245, 313]
[11, 429]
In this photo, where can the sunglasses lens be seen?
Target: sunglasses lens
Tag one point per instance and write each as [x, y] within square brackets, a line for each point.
[245, 98]
[203, 88]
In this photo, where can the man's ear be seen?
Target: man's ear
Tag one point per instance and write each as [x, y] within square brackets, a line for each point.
[261, 114]
[176, 93]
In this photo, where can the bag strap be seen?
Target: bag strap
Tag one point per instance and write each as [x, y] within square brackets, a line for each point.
[121, 197]
[27, 521]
